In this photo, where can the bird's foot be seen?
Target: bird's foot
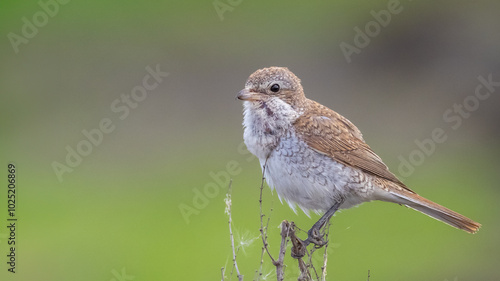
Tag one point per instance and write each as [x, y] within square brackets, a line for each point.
[314, 236]
[299, 246]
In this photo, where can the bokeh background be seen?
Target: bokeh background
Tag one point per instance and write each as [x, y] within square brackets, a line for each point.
[118, 214]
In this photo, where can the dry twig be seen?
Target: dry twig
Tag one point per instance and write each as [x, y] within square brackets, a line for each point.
[325, 255]
[230, 221]
[285, 233]
[263, 232]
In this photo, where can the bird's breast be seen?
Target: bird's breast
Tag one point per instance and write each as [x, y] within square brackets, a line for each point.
[266, 123]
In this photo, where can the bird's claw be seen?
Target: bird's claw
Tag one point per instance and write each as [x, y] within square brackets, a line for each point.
[299, 246]
[315, 237]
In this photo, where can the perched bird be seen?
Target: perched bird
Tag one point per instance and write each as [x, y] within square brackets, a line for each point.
[317, 159]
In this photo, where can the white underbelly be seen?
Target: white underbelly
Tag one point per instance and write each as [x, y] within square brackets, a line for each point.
[313, 181]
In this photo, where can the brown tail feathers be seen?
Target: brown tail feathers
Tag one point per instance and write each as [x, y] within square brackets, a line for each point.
[438, 212]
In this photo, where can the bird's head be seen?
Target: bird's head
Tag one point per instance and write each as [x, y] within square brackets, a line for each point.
[273, 83]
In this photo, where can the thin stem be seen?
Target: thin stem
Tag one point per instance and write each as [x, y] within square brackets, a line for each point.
[228, 205]
[285, 234]
[263, 233]
[325, 255]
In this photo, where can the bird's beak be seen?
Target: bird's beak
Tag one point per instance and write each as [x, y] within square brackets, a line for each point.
[247, 95]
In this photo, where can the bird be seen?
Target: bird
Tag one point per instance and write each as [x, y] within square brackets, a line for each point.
[317, 159]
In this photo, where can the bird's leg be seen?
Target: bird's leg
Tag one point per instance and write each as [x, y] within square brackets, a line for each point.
[314, 234]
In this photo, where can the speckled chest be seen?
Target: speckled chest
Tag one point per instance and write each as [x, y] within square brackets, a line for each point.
[265, 124]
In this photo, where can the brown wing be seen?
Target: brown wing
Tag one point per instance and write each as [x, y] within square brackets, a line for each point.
[331, 134]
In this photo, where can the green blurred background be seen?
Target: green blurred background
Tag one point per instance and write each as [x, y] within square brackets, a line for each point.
[117, 215]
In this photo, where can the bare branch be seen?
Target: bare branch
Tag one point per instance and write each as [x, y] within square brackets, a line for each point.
[259, 272]
[310, 262]
[263, 232]
[228, 211]
[304, 272]
[325, 255]
[285, 232]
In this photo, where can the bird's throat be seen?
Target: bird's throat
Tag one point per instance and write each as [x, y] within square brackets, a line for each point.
[266, 122]
[266, 108]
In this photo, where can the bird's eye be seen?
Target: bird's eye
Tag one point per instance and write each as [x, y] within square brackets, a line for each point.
[275, 88]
